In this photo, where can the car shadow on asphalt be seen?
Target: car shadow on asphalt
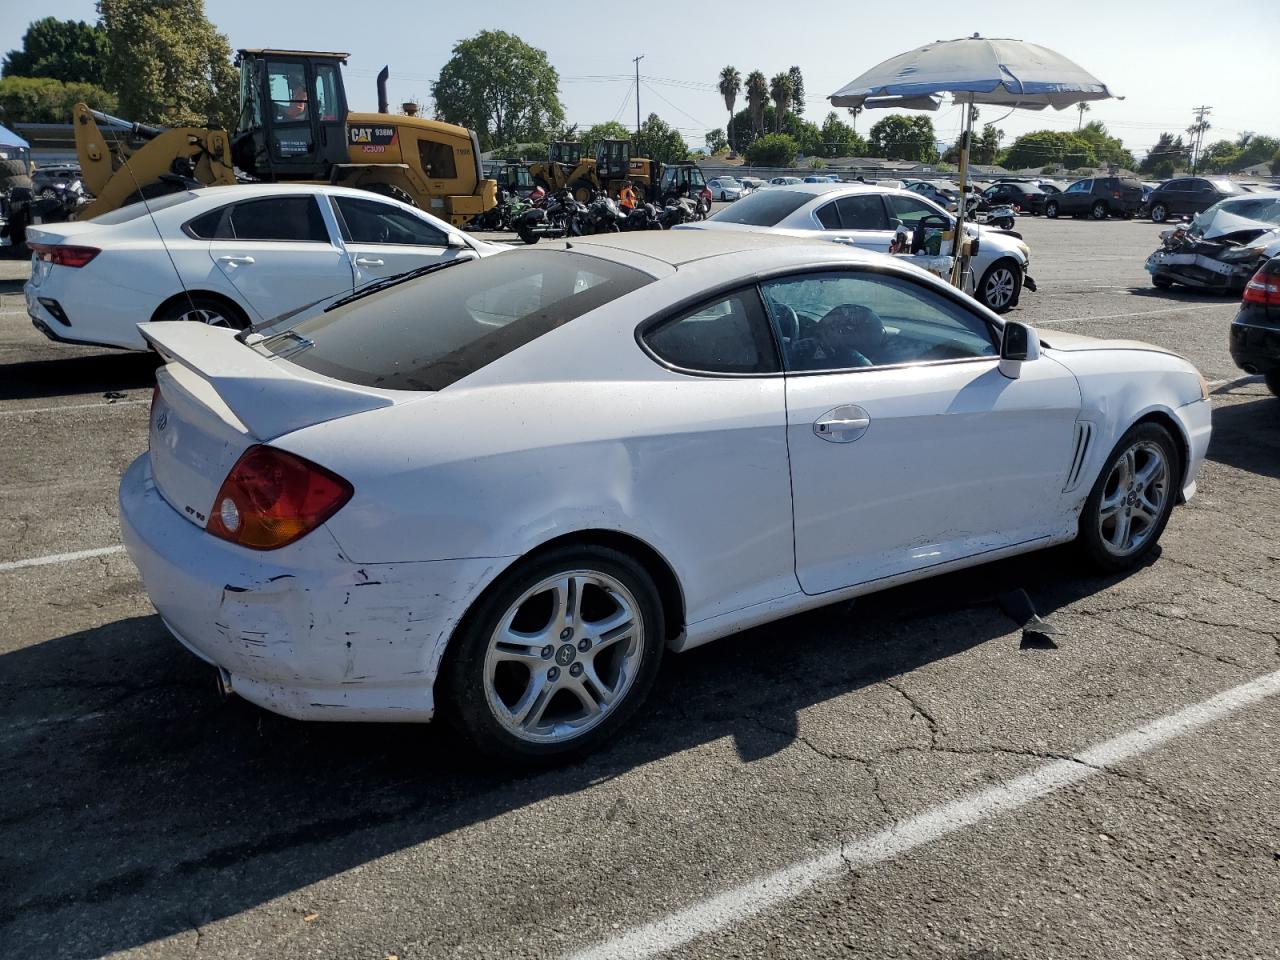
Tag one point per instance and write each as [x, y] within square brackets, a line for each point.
[76, 376]
[1184, 295]
[137, 803]
[1247, 435]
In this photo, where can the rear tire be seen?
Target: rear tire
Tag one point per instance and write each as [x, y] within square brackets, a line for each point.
[203, 308]
[1273, 381]
[523, 691]
[528, 236]
[1051, 209]
[1125, 513]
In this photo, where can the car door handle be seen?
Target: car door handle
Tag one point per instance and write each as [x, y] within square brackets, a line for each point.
[843, 424]
[369, 262]
[236, 261]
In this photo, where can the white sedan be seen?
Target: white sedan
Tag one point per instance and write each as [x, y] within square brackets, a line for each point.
[725, 188]
[228, 256]
[866, 216]
[503, 489]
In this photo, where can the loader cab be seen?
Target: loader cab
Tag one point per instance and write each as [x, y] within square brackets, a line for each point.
[683, 178]
[565, 152]
[613, 160]
[293, 114]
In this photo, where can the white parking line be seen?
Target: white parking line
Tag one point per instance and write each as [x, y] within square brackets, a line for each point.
[759, 894]
[60, 558]
[1144, 313]
[72, 406]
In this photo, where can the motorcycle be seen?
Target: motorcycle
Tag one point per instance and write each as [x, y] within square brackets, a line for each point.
[643, 217]
[561, 216]
[1000, 215]
[604, 215]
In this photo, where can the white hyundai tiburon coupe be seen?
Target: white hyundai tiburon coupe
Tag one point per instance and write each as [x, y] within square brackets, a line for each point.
[502, 489]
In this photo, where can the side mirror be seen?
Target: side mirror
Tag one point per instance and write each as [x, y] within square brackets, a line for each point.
[456, 241]
[895, 223]
[1018, 345]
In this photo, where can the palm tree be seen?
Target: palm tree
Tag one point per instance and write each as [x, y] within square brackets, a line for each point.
[853, 112]
[757, 95]
[1083, 108]
[730, 84]
[780, 94]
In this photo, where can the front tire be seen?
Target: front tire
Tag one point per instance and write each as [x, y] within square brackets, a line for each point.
[1131, 501]
[1164, 283]
[556, 656]
[1051, 209]
[392, 191]
[1000, 286]
[1159, 213]
[1098, 211]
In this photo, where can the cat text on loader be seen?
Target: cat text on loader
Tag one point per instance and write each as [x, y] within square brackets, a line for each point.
[293, 126]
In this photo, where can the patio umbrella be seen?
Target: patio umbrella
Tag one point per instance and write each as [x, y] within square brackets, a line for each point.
[974, 70]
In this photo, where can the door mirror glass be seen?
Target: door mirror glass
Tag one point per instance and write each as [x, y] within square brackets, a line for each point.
[1019, 342]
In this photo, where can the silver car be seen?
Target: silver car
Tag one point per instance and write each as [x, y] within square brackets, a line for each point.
[866, 216]
[725, 188]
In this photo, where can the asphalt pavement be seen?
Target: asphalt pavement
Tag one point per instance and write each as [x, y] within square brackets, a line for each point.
[911, 776]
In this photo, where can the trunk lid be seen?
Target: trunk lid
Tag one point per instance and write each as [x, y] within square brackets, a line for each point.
[219, 396]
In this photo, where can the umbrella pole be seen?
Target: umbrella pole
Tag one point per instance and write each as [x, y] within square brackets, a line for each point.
[965, 136]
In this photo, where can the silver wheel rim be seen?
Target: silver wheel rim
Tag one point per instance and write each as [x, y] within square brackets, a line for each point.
[1099, 211]
[1157, 213]
[1051, 210]
[201, 315]
[998, 290]
[563, 656]
[1133, 498]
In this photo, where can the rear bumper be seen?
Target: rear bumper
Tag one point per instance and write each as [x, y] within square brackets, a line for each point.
[1255, 348]
[300, 631]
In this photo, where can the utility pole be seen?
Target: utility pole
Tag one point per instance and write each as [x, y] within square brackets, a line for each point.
[637, 63]
[1197, 130]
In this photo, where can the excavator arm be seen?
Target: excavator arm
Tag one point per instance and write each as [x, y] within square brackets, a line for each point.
[145, 161]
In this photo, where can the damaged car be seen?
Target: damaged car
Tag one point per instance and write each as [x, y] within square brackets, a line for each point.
[502, 492]
[1221, 248]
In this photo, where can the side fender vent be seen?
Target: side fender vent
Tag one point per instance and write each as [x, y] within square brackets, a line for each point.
[1084, 438]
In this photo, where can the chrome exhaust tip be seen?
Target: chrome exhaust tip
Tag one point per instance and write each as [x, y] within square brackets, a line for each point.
[223, 680]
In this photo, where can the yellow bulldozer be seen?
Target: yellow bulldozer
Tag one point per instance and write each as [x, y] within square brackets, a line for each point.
[293, 126]
[611, 166]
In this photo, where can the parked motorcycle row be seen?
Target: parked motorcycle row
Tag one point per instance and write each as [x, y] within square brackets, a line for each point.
[556, 214]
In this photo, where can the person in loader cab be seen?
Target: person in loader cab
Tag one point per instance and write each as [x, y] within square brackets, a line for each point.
[296, 108]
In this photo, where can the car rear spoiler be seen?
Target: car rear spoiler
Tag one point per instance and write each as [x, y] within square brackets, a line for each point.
[264, 394]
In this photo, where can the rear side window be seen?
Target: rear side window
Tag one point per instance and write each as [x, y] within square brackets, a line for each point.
[729, 335]
[764, 209]
[295, 219]
[864, 212]
[428, 333]
[829, 217]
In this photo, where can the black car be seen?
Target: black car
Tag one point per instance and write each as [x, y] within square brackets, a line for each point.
[1187, 196]
[1026, 196]
[1097, 197]
[1255, 332]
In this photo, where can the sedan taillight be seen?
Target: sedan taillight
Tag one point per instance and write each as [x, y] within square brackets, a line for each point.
[1264, 288]
[272, 498]
[64, 255]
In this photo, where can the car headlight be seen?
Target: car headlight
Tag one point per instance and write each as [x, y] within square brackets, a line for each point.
[1244, 253]
[1204, 387]
[1025, 251]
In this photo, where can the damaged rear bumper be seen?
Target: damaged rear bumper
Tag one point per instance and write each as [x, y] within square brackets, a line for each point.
[302, 631]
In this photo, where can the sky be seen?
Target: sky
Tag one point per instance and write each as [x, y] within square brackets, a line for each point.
[1163, 58]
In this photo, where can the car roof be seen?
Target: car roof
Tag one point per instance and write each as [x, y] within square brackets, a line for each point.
[679, 247]
[242, 191]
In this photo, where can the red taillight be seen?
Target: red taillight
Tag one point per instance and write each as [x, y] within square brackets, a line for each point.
[706, 194]
[271, 498]
[1264, 288]
[64, 255]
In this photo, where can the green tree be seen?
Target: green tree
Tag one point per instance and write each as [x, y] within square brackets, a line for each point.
[716, 142]
[730, 84]
[520, 151]
[773, 150]
[899, 137]
[500, 87]
[838, 139]
[661, 142]
[43, 100]
[797, 90]
[1042, 148]
[1255, 150]
[168, 64]
[68, 50]
[757, 96]
[1168, 153]
[1106, 148]
[1220, 157]
[780, 94]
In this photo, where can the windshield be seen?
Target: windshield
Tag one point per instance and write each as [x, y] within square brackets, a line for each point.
[764, 209]
[428, 333]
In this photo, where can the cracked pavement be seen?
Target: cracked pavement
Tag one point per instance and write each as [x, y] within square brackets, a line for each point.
[143, 816]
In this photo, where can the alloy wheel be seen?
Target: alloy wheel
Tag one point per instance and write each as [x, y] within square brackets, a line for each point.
[563, 656]
[997, 291]
[1099, 211]
[1159, 214]
[1133, 498]
[205, 315]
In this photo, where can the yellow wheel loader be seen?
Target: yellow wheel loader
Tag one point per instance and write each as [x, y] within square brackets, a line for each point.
[293, 126]
[610, 167]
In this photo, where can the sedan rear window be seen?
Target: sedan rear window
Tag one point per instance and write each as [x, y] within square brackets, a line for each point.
[433, 331]
[764, 209]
